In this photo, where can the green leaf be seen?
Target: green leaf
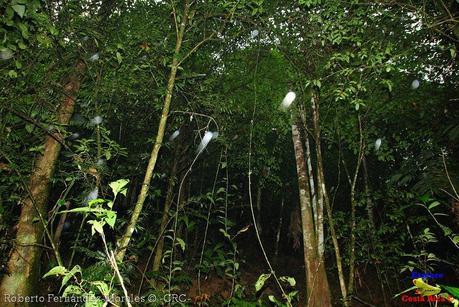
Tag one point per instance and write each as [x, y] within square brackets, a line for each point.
[83, 210]
[108, 155]
[119, 57]
[118, 186]
[446, 230]
[453, 291]
[22, 46]
[103, 287]
[224, 233]
[96, 226]
[24, 31]
[12, 74]
[261, 281]
[92, 301]
[274, 300]
[424, 198]
[290, 280]
[405, 291]
[56, 271]
[53, 31]
[72, 290]
[181, 243]
[73, 271]
[110, 218]
[433, 205]
[29, 128]
[19, 9]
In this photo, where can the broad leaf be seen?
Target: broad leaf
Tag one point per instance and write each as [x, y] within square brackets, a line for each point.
[261, 281]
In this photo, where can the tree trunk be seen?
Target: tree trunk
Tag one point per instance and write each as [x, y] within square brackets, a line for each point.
[60, 225]
[124, 241]
[320, 174]
[167, 205]
[352, 256]
[309, 162]
[318, 292]
[324, 195]
[259, 209]
[279, 228]
[24, 261]
[369, 207]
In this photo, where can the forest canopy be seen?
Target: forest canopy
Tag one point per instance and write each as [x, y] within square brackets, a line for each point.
[232, 152]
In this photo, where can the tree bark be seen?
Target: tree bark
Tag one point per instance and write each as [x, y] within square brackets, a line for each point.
[318, 292]
[309, 162]
[24, 261]
[259, 226]
[320, 173]
[124, 241]
[60, 225]
[279, 228]
[369, 206]
[167, 205]
[353, 183]
[323, 194]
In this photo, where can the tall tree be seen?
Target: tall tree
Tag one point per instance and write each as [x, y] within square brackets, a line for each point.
[24, 262]
[318, 292]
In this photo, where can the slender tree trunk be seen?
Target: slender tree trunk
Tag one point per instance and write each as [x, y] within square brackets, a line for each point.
[324, 195]
[279, 228]
[353, 213]
[318, 292]
[309, 162]
[320, 173]
[124, 241]
[338, 258]
[369, 207]
[317, 205]
[259, 209]
[24, 261]
[167, 205]
[60, 225]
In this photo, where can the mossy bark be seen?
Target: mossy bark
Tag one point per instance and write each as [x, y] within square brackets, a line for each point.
[24, 261]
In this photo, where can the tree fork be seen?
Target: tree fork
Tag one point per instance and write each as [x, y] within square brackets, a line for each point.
[318, 292]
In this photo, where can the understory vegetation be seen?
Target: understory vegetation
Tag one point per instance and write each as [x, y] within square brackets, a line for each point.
[229, 153]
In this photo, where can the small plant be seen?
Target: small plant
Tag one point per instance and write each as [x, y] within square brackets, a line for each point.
[289, 297]
[94, 292]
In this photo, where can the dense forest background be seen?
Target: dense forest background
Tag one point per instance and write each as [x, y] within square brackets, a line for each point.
[231, 152]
